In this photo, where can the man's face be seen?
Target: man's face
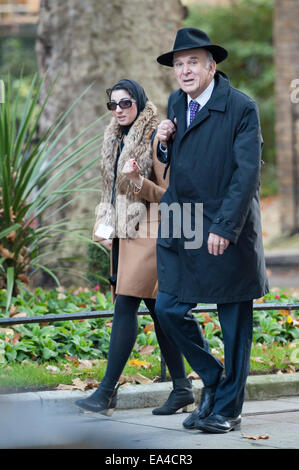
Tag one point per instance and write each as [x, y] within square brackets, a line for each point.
[193, 71]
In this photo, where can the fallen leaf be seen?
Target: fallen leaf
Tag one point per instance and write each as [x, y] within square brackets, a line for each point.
[23, 278]
[136, 378]
[85, 363]
[15, 338]
[291, 369]
[78, 384]
[149, 327]
[5, 253]
[156, 379]
[65, 387]
[12, 236]
[255, 438]
[85, 384]
[21, 314]
[122, 379]
[138, 363]
[284, 312]
[146, 350]
[207, 317]
[13, 310]
[257, 359]
[193, 375]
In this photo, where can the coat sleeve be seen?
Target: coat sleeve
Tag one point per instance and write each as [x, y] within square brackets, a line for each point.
[153, 189]
[164, 156]
[245, 179]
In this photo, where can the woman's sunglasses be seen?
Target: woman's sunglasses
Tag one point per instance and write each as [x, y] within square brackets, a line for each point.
[124, 103]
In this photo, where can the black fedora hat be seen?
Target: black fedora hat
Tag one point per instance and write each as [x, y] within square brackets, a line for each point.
[192, 38]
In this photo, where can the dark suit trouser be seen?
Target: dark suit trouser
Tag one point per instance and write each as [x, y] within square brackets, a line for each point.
[236, 321]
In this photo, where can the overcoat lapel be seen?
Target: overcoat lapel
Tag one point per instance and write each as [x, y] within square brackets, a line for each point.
[179, 109]
[180, 112]
[201, 116]
[217, 102]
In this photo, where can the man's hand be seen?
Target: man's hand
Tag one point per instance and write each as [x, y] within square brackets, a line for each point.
[132, 171]
[217, 244]
[165, 130]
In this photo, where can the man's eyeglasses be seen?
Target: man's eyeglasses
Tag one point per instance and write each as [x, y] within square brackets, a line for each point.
[124, 103]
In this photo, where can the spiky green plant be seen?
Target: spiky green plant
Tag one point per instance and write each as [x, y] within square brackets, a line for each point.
[32, 181]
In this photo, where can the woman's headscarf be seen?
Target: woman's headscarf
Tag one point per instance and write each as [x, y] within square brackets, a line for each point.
[135, 90]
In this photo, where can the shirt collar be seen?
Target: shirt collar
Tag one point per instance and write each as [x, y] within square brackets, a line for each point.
[204, 97]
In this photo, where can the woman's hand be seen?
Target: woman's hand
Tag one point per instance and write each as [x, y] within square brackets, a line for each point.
[132, 171]
[107, 244]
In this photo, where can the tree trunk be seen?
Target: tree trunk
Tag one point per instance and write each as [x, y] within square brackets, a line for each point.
[100, 42]
[287, 111]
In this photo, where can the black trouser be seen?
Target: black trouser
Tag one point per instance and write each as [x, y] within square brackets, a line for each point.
[236, 321]
[123, 337]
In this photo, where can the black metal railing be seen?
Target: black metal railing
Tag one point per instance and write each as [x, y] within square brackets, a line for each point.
[53, 317]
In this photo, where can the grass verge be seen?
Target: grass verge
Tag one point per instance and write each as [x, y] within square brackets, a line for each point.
[85, 374]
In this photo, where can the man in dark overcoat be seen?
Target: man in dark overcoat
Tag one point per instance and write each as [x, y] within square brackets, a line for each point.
[212, 144]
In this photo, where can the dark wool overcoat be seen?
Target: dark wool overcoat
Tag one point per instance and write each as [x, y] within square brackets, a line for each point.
[215, 161]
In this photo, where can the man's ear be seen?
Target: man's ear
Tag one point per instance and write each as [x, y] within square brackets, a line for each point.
[212, 67]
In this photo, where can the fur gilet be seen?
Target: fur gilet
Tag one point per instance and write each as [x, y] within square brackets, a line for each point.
[138, 145]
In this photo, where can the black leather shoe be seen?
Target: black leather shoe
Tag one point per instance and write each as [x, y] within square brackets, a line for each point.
[101, 401]
[203, 409]
[215, 423]
[180, 397]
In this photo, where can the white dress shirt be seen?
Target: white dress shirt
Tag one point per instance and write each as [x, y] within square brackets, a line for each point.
[202, 99]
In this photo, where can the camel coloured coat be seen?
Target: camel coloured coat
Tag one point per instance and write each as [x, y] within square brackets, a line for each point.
[137, 269]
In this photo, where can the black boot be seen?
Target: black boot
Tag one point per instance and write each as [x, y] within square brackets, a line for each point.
[203, 409]
[101, 401]
[180, 397]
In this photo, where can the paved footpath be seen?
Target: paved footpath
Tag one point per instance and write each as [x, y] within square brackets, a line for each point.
[30, 426]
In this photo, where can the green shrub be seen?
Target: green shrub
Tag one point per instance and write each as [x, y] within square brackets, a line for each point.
[89, 339]
[33, 186]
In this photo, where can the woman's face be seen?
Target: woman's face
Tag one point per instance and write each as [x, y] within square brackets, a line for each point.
[124, 117]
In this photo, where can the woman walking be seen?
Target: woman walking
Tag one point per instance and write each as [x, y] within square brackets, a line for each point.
[131, 180]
